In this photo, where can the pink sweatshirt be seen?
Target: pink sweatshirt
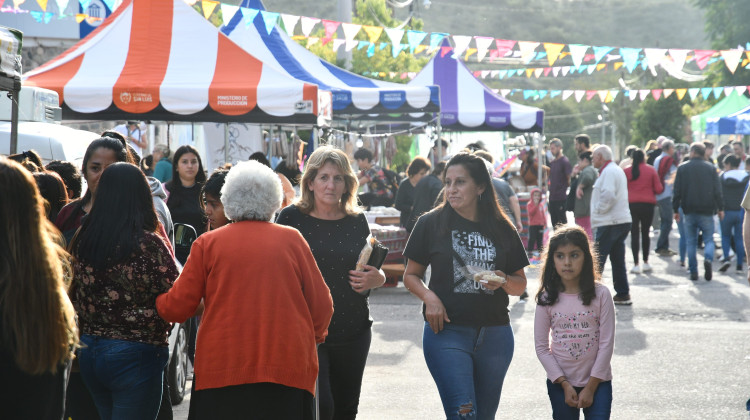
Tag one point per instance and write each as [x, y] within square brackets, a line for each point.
[537, 217]
[574, 340]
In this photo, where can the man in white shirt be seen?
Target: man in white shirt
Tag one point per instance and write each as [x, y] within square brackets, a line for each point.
[135, 134]
[610, 216]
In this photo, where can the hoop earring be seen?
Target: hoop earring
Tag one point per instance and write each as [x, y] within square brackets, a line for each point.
[480, 197]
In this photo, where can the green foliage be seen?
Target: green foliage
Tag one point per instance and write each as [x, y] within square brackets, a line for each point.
[726, 26]
[659, 118]
[402, 159]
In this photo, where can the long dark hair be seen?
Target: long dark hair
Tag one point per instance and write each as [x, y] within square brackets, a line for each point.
[121, 154]
[550, 283]
[122, 211]
[52, 189]
[491, 216]
[200, 177]
[638, 158]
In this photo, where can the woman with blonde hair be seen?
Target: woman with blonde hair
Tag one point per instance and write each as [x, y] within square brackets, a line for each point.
[329, 219]
[37, 320]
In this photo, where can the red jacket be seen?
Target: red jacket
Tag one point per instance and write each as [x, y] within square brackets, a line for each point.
[537, 216]
[645, 188]
[266, 306]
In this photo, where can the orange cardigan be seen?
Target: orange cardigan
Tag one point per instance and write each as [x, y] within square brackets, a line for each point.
[266, 306]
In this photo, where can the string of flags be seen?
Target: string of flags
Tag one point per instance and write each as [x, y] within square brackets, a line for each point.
[480, 48]
[609, 95]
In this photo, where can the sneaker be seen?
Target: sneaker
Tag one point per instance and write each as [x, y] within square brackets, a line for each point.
[709, 272]
[636, 269]
[622, 300]
[724, 266]
[740, 270]
[665, 252]
[694, 276]
[646, 267]
[682, 263]
[524, 295]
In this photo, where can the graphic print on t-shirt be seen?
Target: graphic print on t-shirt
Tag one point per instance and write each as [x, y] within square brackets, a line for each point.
[471, 249]
[576, 332]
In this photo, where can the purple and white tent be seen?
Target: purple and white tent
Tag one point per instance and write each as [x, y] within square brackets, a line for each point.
[467, 104]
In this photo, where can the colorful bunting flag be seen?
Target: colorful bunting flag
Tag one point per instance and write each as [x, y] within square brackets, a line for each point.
[208, 7]
[566, 94]
[600, 52]
[741, 89]
[504, 46]
[679, 56]
[248, 16]
[373, 32]
[702, 57]
[42, 4]
[395, 35]
[717, 92]
[527, 49]
[307, 24]
[680, 93]
[461, 43]
[668, 92]
[577, 52]
[579, 95]
[414, 38]
[732, 58]
[330, 29]
[270, 19]
[553, 51]
[654, 57]
[630, 57]
[435, 39]
[656, 93]
[289, 21]
[483, 45]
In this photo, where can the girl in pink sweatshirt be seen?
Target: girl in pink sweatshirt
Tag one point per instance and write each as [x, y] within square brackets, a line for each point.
[537, 221]
[574, 328]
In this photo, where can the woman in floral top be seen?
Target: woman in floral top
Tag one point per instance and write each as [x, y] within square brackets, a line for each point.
[121, 265]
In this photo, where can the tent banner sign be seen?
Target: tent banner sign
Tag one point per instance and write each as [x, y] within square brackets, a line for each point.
[10, 52]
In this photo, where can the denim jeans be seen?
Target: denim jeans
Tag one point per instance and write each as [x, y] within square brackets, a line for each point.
[683, 236]
[124, 377]
[599, 410]
[704, 223]
[610, 241]
[666, 215]
[468, 365]
[731, 226]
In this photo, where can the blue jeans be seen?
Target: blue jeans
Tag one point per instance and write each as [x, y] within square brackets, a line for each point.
[731, 227]
[124, 377]
[683, 236]
[610, 241]
[694, 222]
[468, 365]
[666, 215]
[599, 409]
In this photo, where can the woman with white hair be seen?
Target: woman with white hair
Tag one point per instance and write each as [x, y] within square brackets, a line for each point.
[256, 348]
[328, 217]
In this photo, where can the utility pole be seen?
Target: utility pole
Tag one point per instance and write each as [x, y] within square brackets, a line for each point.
[345, 15]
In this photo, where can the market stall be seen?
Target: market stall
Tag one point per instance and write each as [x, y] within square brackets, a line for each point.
[10, 76]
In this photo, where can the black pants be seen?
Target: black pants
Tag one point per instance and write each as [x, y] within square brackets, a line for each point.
[340, 378]
[261, 401]
[642, 214]
[536, 238]
[557, 213]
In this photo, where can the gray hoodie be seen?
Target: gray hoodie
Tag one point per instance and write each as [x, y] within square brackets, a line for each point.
[162, 211]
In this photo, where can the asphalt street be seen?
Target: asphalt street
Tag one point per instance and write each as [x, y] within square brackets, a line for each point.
[682, 351]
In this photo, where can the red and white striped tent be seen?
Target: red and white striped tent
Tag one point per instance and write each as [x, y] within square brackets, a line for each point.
[162, 60]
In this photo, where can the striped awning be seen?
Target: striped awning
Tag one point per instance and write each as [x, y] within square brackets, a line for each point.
[162, 60]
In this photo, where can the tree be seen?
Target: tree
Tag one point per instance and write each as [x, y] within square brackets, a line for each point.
[658, 118]
[727, 28]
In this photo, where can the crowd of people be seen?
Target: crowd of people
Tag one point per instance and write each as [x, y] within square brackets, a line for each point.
[267, 338]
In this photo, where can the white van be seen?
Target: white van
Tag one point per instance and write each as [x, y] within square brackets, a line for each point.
[39, 128]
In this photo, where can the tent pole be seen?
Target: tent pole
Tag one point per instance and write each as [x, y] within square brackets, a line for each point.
[226, 142]
[540, 169]
[439, 142]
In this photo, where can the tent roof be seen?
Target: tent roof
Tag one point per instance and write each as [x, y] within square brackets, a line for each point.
[352, 94]
[467, 104]
[162, 60]
[729, 105]
[727, 124]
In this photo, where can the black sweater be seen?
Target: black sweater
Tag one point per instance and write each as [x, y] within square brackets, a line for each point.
[733, 189]
[697, 189]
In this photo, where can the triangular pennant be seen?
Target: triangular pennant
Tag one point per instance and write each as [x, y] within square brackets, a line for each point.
[679, 57]
[542, 94]
[556, 71]
[520, 72]
[547, 70]
[527, 49]
[208, 7]
[706, 92]
[680, 93]
[590, 68]
[702, 57]
[396, 49]
[350, 30]
[63, 4]
[579, 95]
[42, 4]
[501, 74]
[553, 51]
[392, 74]
[529, 72]
[600, 52]
[565, 70]
[668, 93]
[420, 48]
[494, 73]
[643, 94]
[692, 92]
[618, 65]
[39, 16]
[477, 74]
[435, 39]
[554, 93]
[577, 52]
[538, 71]
[740, 89]
[330, 28]
[227, 12]
[445, 50]
[337, 43]
[307, 24]
[414, 38]
[270, 19]
[728, 90]
[403, 76]
[48, 17]
[732, 58]
[504, 92]
[483, 45]
[717, 92]
[363, 44]
[469, 53]
[610, 96]
[602, 95]
[382, 46]
[504, 46]
[373, 32]
[351, 44]
[485, 73]
[631, 94]
[656, 93]
[630, 57]
[79, 16]
[590, 94]
[600, 66]
[654, 56]
[462, 43]
[84, 4]
[395, 35]
[566, 94]
[290, 21]
[248, 15]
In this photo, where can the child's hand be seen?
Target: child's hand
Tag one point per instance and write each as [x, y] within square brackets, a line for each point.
[571, 396]
[585, 398]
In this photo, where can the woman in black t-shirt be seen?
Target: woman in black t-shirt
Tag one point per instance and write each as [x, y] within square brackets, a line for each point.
[328, 218]
[185, 201]
[468, 341]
